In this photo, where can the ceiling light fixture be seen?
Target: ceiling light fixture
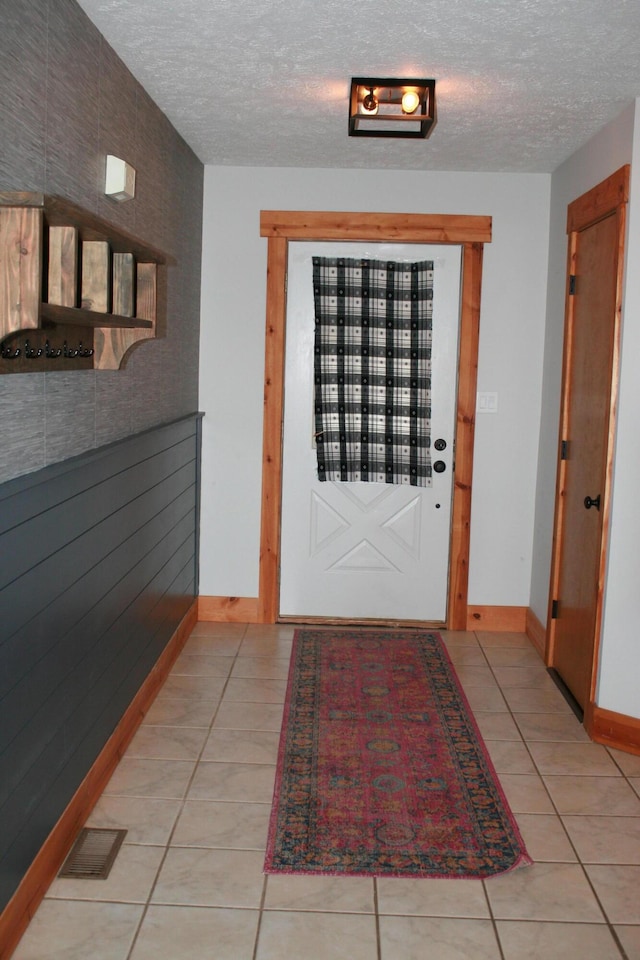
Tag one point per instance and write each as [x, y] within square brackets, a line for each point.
[382, 107]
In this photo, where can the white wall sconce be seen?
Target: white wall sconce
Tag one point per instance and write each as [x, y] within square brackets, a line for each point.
[120, 179]
[382, 107]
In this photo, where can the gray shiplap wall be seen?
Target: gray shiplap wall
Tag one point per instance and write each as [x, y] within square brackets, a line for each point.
[66, 101]
[98, 565]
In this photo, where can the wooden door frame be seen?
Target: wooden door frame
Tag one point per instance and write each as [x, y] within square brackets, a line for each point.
[280, 227]
[607, 198]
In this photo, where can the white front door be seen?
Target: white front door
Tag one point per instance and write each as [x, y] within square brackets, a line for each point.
[358, 550]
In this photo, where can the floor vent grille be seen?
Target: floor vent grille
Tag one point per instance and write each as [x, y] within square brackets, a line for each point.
[92, 855]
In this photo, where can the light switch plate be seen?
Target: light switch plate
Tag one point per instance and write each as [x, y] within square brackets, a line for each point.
[487, 403]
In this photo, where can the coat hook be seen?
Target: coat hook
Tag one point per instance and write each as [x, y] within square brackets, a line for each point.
[50, 352]
[87, 352]
[70, 354]
[32, 353]
[8, 354]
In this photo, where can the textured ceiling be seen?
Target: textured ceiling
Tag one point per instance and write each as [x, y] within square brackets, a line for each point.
[521, 84]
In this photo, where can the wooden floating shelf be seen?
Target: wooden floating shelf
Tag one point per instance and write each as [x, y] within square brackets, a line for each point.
[65, 272]
[77, 316]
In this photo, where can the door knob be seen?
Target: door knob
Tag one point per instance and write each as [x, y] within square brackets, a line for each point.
[439, 466]
[589, 502]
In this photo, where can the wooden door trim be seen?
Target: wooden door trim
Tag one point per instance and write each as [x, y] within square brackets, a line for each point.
[608, 198]
[378, 227]
[282, 226]
[268, 604]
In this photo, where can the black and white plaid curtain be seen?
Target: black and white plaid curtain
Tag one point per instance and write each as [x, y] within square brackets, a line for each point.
[373, 370]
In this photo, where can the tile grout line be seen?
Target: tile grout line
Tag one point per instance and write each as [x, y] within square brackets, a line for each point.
[376, 912]
[260, 918]
[493, 920]
[606, 922]
[180, 810]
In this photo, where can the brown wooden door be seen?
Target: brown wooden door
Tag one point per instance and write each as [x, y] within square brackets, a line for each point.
[590, 382]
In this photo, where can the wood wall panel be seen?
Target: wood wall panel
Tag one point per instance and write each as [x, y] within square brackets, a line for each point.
[613, 729]
[36, 708]
[229, 609]
[104, 569]
[44, 867]
[535, 631]
[497, 619]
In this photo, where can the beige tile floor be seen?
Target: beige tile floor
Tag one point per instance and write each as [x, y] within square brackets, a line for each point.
[194, 792]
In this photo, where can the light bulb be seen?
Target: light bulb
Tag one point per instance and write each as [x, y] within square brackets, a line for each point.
[410, 101]
[369, 103]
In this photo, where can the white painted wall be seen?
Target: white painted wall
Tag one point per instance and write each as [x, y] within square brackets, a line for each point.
[510, 361]
[619, 669]
[619, 675]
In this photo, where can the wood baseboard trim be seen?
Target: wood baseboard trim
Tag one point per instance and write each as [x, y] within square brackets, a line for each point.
[614, 729]
[500, 619]
[229, 609]
[536, 632]
[17, 914]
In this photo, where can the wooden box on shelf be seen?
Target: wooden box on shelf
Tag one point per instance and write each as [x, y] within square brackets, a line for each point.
[75, 292]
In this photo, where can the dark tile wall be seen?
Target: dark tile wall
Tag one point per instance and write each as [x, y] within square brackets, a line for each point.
[66, 101]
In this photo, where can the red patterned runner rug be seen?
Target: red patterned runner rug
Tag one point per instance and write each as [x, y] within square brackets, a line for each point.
[381, 769]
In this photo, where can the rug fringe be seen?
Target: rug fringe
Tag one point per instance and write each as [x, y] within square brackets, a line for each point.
[523, 861]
